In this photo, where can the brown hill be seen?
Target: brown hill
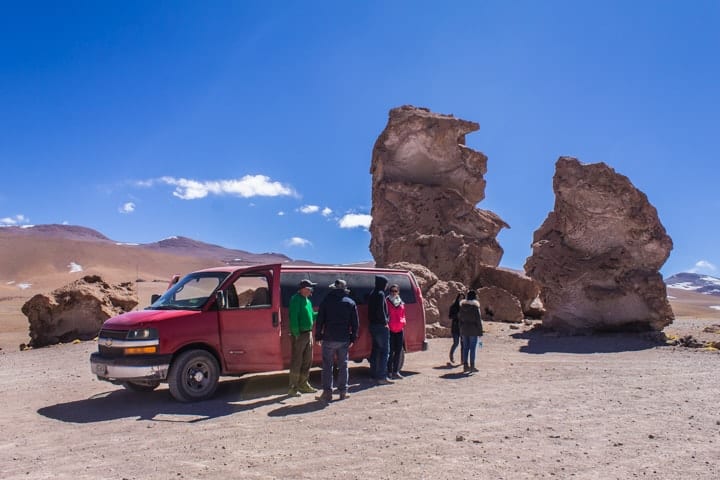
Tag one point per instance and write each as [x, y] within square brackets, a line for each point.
[42, 258]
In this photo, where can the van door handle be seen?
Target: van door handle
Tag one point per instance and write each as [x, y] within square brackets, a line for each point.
[275, 319]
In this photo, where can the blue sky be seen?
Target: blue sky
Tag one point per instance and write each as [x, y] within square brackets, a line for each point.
[250, 124]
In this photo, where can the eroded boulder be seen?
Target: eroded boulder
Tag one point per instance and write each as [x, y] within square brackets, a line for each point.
[523, 288]
[499, 305]
[597, 255]
[426, 184]
[77, 310]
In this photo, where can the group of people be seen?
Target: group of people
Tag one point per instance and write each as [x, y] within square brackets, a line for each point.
[467, 328]
[336, 326]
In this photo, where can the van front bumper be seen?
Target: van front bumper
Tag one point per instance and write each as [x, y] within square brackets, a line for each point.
[130, 368]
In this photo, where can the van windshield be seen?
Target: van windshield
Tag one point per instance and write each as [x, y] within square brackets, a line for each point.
[191, 292]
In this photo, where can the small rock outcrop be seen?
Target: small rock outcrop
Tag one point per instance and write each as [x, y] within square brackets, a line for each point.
[597, 255]
[426, 184]
[76, 311]
[520, 286]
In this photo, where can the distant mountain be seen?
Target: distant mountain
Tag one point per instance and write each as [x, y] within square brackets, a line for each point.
[180, 246]
[694, 282]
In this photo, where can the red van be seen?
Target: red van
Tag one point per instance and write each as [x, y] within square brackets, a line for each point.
[233, 321]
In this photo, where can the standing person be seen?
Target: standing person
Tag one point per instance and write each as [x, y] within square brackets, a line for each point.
[455, 327]
[337, 329]
[378, 325]
[396, 325]
[470, 329]
[302, 319]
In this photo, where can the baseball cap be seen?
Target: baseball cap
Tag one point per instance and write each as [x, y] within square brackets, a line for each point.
[339, 284]
[306, 283]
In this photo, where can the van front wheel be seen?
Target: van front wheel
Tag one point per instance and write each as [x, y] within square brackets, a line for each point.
[193, 376]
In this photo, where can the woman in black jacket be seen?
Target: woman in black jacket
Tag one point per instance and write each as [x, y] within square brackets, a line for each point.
[470, 329]
[455, 326]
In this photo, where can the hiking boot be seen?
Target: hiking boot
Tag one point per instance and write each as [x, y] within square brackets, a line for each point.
[293, 392]
[306, 388]
[397, 376]
[326, 396]
[466, 369]
[344, 395]
[473, 370]
[452, 359]
[384, 381]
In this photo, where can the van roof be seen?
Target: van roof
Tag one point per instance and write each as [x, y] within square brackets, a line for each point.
[307, 268]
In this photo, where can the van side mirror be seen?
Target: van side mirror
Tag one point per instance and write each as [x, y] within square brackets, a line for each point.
[220, 299]
[154, 298]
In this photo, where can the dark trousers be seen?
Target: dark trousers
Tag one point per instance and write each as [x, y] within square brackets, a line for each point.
[333, 352]
[300, 359]
[380, 350]
[396, 346]
[456, 341]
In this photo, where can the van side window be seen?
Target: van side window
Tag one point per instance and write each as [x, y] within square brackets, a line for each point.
[249, 291]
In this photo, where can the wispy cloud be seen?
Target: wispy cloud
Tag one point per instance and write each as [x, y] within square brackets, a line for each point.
[16, 220]
[298, 242]
[281, 213]
[703, 266]
[127, 207]
[326, 211]
[245, 187]
[355, 220]
[309, 209]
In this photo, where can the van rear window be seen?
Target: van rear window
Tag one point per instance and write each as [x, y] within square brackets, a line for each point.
[359, 284]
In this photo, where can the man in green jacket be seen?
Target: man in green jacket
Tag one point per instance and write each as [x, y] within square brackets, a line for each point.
[302, 319]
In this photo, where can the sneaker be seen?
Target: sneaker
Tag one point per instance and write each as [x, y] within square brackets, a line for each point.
[344, 395]
[466, 369]
[474, 370]
[292, 392]
[397, 376]
[452, 359]
[307, 388]
[384, 381]
[326, 396]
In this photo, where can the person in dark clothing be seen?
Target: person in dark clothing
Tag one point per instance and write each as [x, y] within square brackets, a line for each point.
[378, 324]
[336, 329]
[471, 328]
[455, 327]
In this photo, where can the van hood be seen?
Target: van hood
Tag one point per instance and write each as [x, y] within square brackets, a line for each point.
[144, 318]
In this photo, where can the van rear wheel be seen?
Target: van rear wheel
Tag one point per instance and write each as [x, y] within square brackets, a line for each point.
[193, 376]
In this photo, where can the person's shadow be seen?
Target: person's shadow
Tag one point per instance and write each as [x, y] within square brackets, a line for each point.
[232, 396]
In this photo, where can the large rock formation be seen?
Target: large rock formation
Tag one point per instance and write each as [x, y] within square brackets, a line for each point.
[77, 310]
[597, 255]
[426, 184]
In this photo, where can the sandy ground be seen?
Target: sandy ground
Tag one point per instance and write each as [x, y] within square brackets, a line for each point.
[607, 407]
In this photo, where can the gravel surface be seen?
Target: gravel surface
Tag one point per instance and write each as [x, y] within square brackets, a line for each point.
[542, 406]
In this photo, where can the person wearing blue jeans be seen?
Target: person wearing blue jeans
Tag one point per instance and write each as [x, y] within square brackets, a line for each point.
[378, 325]
[470, 329]
[336, 329]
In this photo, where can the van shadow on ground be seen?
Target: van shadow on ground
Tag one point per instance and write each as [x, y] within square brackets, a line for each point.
[542, 341]
[232, 396]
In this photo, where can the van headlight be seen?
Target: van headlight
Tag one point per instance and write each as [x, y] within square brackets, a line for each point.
[142, 334]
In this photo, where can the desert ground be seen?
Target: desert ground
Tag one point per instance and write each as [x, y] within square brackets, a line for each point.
[542, 406]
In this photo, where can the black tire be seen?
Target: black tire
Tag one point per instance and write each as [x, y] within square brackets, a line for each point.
[193, 376]
[143, 387]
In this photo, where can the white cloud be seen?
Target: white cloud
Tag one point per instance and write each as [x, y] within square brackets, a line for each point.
[246, 187]
[326, 211]
[309, 209]
[281, 213]
[11, 221]
[74, 267]
[355, 220]
[127, 207]
[298, 242]
[703, 266]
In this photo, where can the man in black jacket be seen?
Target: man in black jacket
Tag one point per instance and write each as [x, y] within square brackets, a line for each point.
[378, 325]
[337, 329]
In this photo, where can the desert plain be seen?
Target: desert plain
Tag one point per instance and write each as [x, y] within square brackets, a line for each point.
[614, 406]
